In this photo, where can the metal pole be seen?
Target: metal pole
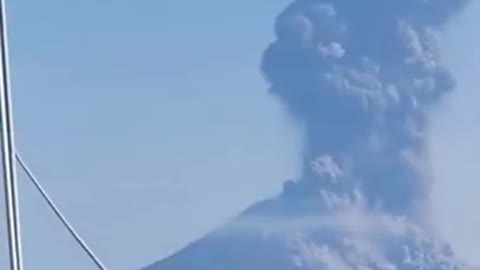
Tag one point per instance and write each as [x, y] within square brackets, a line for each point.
[8, 150]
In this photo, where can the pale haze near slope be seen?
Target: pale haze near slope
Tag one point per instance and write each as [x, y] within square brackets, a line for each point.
[455, 140]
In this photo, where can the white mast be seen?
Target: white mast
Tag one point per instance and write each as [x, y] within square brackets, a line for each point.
[8, 150]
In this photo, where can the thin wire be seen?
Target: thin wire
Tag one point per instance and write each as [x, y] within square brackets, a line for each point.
[59, 214]
[8, 151]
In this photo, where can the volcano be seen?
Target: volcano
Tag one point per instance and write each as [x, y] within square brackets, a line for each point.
[303, 233]
[361, 76]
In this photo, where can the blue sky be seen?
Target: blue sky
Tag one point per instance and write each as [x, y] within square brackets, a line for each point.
[455, 139]
[150, 124]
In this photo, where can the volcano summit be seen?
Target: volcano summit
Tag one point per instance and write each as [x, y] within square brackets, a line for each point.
[361, 77]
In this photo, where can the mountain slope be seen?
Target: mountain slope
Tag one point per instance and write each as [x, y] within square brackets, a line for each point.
[288, 233]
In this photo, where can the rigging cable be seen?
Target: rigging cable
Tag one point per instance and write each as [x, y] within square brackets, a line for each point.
[8, 164]
[58, 213]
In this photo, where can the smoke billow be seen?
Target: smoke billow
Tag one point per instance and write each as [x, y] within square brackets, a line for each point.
[361, 76]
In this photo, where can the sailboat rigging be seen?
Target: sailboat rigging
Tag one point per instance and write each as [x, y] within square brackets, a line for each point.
[8, 151]
[9, 158]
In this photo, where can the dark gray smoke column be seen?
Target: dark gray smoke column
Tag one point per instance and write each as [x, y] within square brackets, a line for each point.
[361, 75]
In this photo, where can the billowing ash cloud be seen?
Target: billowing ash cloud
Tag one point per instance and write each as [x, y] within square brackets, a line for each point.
[361, 75]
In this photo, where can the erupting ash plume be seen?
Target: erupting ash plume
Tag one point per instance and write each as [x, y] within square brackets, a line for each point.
[361, 76]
